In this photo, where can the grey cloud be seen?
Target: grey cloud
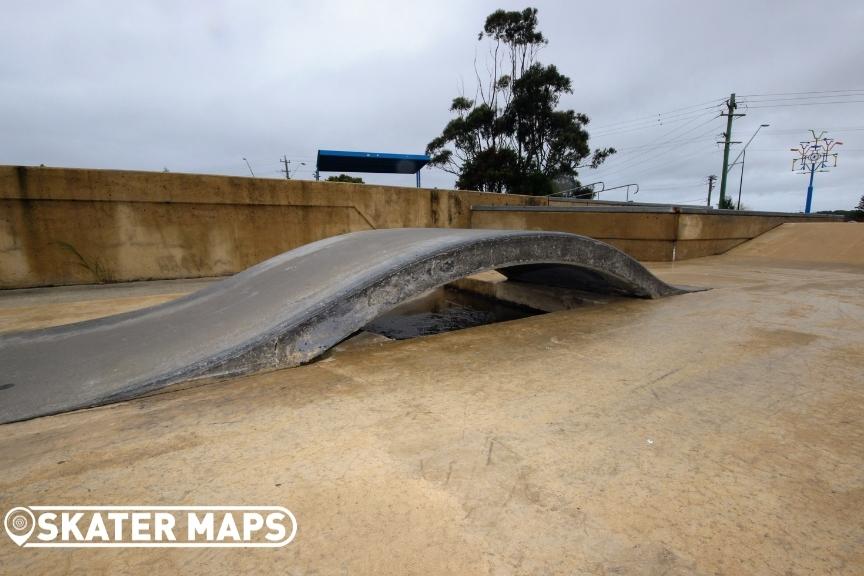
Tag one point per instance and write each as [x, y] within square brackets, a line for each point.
[197, 86]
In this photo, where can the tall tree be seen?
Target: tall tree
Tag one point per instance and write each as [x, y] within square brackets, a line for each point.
[511, 137]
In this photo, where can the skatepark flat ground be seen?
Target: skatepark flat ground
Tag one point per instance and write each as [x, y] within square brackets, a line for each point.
[717, 432]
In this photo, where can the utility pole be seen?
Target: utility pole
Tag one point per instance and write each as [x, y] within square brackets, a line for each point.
[287, 172]
[711, 180]
[727, 141]
[815, 156]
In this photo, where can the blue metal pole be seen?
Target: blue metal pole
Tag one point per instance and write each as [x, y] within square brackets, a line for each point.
[418, 178]
[810, 190]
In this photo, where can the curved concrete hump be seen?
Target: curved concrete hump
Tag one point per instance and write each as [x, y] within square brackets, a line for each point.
[286, 311]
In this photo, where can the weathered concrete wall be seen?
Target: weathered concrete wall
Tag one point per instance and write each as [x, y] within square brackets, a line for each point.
[707, 234]
[643, 235]
[68, 226]
[650, 234]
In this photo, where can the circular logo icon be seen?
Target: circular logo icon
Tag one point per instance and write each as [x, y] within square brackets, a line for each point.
[19, 523]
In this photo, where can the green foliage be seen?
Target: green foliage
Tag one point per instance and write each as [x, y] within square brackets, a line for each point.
[512, 137]
[568, 186]
[726, 203]
[856, 214]
[345, 178]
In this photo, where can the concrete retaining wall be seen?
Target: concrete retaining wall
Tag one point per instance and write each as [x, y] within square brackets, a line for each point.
[659, 233]
[69, 226]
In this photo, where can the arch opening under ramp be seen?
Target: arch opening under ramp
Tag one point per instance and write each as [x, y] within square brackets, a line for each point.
[286, 311]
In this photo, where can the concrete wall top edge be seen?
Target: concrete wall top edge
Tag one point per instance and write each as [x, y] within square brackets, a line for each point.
[641, 209]
[655, 209]
[43, 183]
[596, 202]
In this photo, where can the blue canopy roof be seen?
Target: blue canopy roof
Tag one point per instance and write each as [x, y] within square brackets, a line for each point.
[378, 162]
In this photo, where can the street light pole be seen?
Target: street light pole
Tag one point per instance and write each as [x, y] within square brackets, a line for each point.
[249, 166]
[743, 156]
[734, 162]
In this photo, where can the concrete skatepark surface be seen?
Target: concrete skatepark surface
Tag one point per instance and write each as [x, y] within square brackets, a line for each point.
[818, 243]
[719, 432]
[286, 311]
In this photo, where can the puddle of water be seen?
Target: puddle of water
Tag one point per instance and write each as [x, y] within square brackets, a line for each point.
[444, 310]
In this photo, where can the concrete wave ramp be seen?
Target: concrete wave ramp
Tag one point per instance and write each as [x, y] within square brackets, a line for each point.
[286, 311]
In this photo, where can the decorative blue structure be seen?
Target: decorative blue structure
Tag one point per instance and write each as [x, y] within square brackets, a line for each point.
[372, 162]
[815, 156]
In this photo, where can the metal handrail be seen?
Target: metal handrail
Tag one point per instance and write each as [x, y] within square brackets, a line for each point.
[583, 187]
[627, 186]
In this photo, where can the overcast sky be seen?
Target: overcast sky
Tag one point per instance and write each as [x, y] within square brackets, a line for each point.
[198, 86]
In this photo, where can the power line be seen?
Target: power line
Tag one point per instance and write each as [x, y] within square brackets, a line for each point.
[794, 130]
[629, 170]
[674, 162]
[798, 93]
[650, 125]
[668, 140]
[654, 116]
[657, 122]
[649, 155]
[804, 104]
[676, 112]
[652, 145]
[699, 199]
[652, 120]
[800, 98]
[685, 112]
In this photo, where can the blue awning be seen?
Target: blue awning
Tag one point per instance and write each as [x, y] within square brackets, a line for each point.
[377, 162]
